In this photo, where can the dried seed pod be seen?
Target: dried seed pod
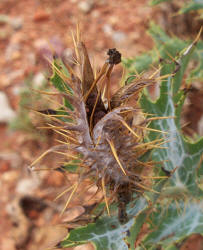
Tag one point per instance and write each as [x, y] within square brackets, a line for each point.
[108, 143]
[129, 91]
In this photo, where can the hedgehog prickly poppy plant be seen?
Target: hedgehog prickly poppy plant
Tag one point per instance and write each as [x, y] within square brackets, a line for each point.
[106, 135]
[129, 147]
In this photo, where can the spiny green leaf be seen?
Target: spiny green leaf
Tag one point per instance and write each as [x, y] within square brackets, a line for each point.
[183, 156]
[107, 232]
[192, 6]
[187, 7]
[59, 82]
[178, 150]
[197, 73]
[174, 222]
[71, 166]
[140, 63]
[165, 49]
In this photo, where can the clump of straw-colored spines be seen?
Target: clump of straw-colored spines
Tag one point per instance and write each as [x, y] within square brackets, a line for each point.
[107, 134]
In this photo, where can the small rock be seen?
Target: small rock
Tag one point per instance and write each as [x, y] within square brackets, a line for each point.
[17, 90]
[95, 14]
[27, 186]
[41, 15]
[39, 80]
[6, 113]
[12, 51]
[107, 29]
[16, 23]
[118, 36]
[113, 20]
[4, 19]
[86, 6]
[9, 177]
[67, 55]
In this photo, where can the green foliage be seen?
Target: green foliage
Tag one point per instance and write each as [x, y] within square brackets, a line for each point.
[57, 79]
[174, 223]
[72, 166]
[181, 198]
[193, 5]
[165, 48]
[155, 2]
[27, 99]
[175, 212]
[107, 232]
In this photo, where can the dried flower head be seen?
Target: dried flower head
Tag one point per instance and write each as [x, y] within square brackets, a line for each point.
[108, 137]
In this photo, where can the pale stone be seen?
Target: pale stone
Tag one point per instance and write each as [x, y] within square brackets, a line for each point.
[27, 186]
[6, 112]
[85, 6]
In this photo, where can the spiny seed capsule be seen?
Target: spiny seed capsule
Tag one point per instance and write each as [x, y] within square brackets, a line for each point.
[105, 143]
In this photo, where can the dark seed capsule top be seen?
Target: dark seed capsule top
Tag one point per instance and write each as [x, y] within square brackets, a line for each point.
[114, 56]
